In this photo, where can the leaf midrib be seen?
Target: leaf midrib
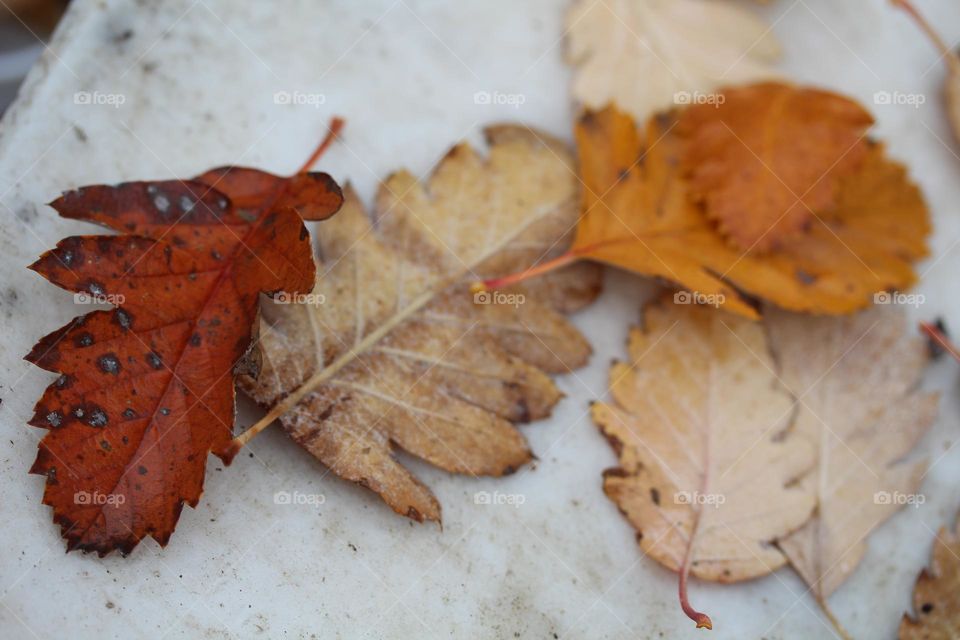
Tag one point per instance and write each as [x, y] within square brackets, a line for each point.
[405, 313]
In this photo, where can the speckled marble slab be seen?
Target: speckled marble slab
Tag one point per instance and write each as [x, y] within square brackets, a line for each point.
[199, 82]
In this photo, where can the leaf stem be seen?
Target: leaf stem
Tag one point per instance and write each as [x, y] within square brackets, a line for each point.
[571, 255]
[309, 385]
[536, 270]
[703, 620]
[336, 125]
[333, 130]
[937, 336]
[844, 635]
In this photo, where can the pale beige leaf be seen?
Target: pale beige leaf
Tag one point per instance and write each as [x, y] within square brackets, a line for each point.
[393, 347]
[855, 380]
[650, 55]
[700, 425]
[936, 596]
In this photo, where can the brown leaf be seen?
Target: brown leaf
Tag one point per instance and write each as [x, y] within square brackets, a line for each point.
[637, 215]
[397, 351]
[855, 379]
[765, 157]
[697, 417]
[936, 597]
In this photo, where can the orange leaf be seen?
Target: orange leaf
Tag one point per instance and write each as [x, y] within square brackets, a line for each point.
[637, 214]
[146, 389]
[764, 158]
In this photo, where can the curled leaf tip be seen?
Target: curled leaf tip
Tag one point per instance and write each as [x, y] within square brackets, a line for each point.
[703, 621]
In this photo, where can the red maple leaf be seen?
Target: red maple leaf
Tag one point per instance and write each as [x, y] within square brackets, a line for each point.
[146, 389]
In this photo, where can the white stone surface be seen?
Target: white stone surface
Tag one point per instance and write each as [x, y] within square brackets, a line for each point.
[199, 79]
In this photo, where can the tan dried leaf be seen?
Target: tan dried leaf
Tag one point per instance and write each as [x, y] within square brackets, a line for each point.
[697, 418]
[936, 596]
[394, 349]
[855, 379]
[650, 55]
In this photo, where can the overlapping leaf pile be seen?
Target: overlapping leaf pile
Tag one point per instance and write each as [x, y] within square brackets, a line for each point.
[772, 193]
[763, 193]
[742, 446]
[807, 229]
[741, 452]
[387, 347]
